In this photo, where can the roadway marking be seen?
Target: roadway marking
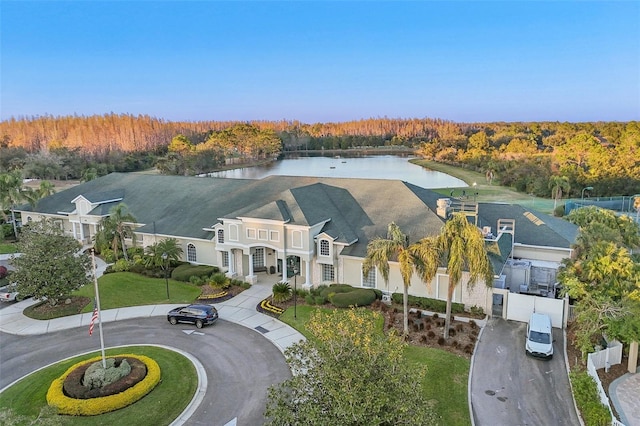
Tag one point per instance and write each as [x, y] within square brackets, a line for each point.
[233, 422]
[192, 332]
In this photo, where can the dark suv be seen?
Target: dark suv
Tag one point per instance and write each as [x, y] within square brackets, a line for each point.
[196, 314]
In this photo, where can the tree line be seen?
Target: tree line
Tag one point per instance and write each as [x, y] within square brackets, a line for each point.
[529, 157]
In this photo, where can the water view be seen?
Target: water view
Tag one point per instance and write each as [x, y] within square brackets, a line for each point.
[369, 167]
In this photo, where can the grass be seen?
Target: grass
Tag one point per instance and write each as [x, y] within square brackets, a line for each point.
[486, 193]
[8, 248]
[160, 407]
[447, 374]
[122, 289]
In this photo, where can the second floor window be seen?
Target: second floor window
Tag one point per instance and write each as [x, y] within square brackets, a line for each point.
[221, 236]
[324, 248]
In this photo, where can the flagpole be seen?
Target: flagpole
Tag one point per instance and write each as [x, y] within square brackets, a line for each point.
[95, 283]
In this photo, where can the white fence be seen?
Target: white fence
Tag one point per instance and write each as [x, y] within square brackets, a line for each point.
[521, 306]
[603, 357]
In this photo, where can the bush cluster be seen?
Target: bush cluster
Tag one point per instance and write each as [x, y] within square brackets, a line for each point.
[585, 392]
[94, 406]
[186, 271]
[429, 304]
[356, 297]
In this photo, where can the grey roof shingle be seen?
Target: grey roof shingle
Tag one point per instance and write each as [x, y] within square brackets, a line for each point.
[356, 209]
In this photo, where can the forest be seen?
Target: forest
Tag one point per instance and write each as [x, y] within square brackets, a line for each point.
[536, 158]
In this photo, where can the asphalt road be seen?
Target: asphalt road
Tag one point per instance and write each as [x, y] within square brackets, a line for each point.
[510, 388]
[239, 363]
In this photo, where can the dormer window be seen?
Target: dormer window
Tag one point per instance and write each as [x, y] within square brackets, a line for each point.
[324, 248]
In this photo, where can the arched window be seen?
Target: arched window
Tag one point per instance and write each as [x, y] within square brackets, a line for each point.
[191, 253]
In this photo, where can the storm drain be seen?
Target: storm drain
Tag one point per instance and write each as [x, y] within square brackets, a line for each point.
[262, 329]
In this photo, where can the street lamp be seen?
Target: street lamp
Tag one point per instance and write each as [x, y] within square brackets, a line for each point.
[295, 293]
[165, 267]
[588, 188]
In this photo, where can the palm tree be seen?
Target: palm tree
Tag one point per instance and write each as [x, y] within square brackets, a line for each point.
[115, 228]
[12, 193]
[46, 188]
[168, 247]
[462, 248]
[558, 184]
[381, 250]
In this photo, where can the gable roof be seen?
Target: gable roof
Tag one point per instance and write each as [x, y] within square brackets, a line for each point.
[353, 211]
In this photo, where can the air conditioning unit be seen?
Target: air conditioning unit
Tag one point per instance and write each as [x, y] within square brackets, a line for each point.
[386, 298]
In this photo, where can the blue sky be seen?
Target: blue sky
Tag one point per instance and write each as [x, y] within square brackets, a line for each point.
[322, 61]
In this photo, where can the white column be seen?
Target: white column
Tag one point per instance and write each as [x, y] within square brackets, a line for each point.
[284, 269]
[75, 234]
[81, 232]
[251, 264]
[232, 263]
[307, 273]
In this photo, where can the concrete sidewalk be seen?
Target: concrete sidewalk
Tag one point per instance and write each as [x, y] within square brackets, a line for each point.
[240, 309]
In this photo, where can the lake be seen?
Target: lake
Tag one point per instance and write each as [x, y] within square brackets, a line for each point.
[389, 167]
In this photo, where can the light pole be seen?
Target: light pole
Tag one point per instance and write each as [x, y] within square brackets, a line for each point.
[165, 267]
[295, 293]
[588, 188]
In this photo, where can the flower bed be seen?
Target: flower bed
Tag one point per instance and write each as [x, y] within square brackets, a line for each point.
[267, 308]
[105, 404]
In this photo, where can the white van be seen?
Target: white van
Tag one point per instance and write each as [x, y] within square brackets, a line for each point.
[539, 336]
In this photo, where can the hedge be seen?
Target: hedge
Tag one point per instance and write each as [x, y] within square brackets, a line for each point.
[585, 392]
[356, 297]
[335, 288]
[185, 272]
[428, 304]
[94, 406]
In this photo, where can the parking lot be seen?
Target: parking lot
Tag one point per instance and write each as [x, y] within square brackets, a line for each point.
[510, 388]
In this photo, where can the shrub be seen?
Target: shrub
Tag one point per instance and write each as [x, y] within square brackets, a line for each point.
[133, 252]
[357, 297]
[423, 338]
[585, 392]
[431, 334]
[121, 265]
[196, 280]
[335, 289]
[378, 293]
[436, 316]
[559, 211]
[452, 331]
[473, 324]
[428, 304]
[319, 300]
[3, 271]
[309, 299]
[220, 280]
[468, 349]
[441, 341]
[476, 311]
[95, 406]
[459, 327]
[107, 255]
[185, 271]
[281, 292]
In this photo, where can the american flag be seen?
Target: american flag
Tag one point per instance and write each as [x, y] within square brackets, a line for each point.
[94, 317]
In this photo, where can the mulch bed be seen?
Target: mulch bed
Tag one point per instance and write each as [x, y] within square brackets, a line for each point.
[461, 340]
[207, 290]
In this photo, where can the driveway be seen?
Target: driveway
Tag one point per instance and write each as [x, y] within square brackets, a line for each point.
[240, 364]
[510, 388]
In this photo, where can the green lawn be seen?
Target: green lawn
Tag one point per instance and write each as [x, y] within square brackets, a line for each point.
[486, 193]
[174, 392]
[445, 385]
[121, 289]
[8, 248]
